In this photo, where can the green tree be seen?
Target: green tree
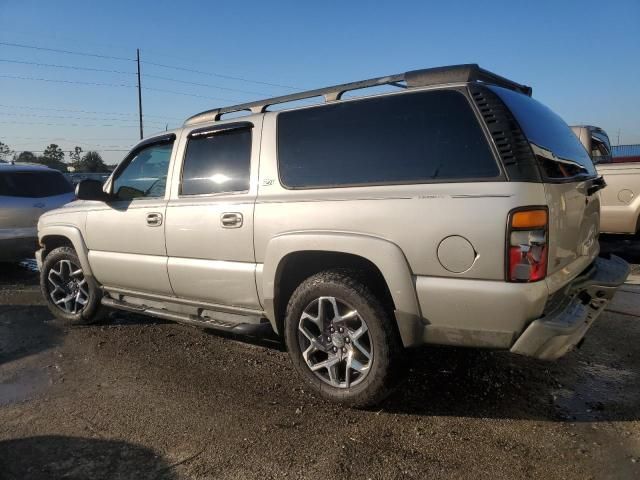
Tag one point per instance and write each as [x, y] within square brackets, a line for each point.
[53, 157]
[92, 162]
[26, 157]
[5, 152]
[75, 157]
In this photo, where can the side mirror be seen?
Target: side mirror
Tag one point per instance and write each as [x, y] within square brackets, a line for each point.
[91, 190]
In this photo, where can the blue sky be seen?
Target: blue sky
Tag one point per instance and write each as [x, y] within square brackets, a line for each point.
[581, 57]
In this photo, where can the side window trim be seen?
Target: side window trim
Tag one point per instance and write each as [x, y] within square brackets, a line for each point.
[210, 131]
[215, 129]
[150, 142]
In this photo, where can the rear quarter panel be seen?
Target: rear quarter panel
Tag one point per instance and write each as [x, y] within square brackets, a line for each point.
[574, 220]
[416, 218]
[621, 198]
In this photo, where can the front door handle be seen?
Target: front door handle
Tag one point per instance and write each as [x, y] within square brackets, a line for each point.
[231, 220]
[154, 219]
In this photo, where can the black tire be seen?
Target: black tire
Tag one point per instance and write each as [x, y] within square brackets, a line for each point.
[92, 311]
[384, 371]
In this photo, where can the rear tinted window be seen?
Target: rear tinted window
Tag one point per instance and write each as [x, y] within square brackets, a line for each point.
[548, 131]
[217, 163]
[33, 184]
[408, 138]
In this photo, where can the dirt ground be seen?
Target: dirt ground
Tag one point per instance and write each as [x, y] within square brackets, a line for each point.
[137, 398]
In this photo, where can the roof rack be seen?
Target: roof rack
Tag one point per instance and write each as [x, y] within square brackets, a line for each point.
[417, 78]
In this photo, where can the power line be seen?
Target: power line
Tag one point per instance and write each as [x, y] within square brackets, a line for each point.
[161, 65]
[87, 146]
[74, 142]
[69, 52]
[84, 145]
[91, 145]
[84, 111]
[90, 150]
[208, 85]
[153, 122]
[69, 67]
[188, 94]
[133, 140]
[219, 75]
[77, 82]
[67, 124]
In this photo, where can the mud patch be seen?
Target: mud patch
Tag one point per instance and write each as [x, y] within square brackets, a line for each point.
[23, 385]
[28, 341]
[598, 389]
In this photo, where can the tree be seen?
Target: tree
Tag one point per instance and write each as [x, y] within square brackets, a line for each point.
[5, 152]
[75, 157]
[92, 162]
[25, 157]
[53, 157]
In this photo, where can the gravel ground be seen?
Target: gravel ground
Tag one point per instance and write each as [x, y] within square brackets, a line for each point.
[137, 398]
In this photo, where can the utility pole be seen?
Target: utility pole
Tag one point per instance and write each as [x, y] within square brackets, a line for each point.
[139, 94]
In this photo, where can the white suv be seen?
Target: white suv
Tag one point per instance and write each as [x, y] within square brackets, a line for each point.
[456, 210]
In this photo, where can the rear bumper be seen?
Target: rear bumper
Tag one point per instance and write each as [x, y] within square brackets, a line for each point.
[566, 322]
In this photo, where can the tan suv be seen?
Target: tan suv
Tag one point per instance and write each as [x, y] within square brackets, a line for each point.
[452, 210]
[620, 208]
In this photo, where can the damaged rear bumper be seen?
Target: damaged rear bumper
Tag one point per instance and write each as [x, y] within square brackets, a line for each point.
[567, 321]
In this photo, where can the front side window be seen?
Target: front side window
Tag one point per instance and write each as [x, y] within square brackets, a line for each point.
[217, 162]
[145, 175]
[408, 138]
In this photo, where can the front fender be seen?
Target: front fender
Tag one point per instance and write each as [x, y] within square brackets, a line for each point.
[73, 234]
[387, 256]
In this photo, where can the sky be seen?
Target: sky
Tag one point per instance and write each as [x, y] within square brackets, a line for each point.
[581, 57]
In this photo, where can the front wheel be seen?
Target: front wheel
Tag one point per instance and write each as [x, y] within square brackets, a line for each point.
[341, 339]
[70, 295]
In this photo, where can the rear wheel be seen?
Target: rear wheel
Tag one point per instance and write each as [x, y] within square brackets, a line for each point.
[70, 295]
[341, 340]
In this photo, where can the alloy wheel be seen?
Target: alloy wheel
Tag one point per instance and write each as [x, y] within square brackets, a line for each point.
[335, 342]
[68, 288]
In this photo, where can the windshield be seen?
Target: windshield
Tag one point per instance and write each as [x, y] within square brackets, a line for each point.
[33, 184]
[560, 154]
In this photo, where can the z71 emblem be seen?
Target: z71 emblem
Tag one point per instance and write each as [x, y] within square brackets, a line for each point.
[267, 182]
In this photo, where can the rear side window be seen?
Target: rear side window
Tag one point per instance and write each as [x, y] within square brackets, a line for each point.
[407, 138]
[217, 162]
[566, 158]
[33, 184]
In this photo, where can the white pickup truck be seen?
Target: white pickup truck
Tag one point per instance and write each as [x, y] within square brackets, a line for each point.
[620, 201]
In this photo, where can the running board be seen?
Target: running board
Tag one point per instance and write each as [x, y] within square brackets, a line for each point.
[262, 329]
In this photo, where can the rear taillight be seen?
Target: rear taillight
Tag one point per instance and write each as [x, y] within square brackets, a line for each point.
[527, 244]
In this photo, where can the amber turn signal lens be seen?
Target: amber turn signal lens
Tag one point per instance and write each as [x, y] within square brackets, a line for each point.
[529, 219]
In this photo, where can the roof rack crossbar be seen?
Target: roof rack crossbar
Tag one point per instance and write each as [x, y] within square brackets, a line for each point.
[417, 78]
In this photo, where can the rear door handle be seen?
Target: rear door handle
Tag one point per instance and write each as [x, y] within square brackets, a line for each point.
[154, 219]
[231, 220]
